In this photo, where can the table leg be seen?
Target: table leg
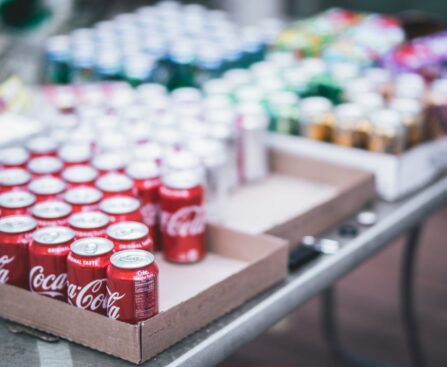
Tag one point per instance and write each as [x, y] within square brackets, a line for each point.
[407, 298]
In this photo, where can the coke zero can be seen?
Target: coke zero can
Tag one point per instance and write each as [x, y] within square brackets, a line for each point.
[48, 261]
[121, 209]
[16, 203]
[130, 236]
[87, 265]
[14, 179]
[92, 224]
[15, 237]
[83, 199]
[47, 188]
[183, 216]
[51, 213]
[115, 184]
[76, 176]
[132, 286]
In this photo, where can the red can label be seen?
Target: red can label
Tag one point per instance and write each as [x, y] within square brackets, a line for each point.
[5, 262]
[48, 284]
[185, 222]
[133, 301]
[91, 296]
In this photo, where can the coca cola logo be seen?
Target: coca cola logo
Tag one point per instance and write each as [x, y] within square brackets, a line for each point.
[149, 212]
[91, 296]
[50, 285]
[187, 221]
[4, 273]
[113, 310]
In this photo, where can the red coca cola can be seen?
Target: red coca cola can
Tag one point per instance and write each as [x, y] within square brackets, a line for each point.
[83, 199]
[146, 178]
[51, 213]
[45, 166]
[77, 176]
[42, 147]
[14, 158]
[15, 237]
[121, 209]
[87, 265]
[115, 184]
[132, 286]
[109, 162]
[16, 203]
[130, 236]
[48, 261]
[92, 224]
[47, 188]
[75, 154]
[183, 216]
[14, 179]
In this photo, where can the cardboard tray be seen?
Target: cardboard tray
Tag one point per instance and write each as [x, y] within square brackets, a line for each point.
[302, 196]
[237, 267]
[396, 176]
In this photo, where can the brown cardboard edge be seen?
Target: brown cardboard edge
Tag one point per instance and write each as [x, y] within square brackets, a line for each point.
[269, 269]
[355, 188]
[24, 307]
[238, 288]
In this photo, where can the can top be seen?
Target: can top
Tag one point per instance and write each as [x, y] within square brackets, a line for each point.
[16, 199]
[108, 161]
[17, 224]
[407, 107]
[83, 195]
[119, 205]
[143, 170]
[131, 259]
[114, 182]
[73, 153]
[370, 101]
[127, 231]
[216, 87]
[180, 160]
[183, 179]
[388, 120]
[79, 174]
[315, 106]
[149, 90]
[44, 165]
[53, 235]
[348, 113]
[409, 85]
[88, 220]
[211, 152]
[14, 176]
[51, 209]
[91, 246]
[46, 186]
[147, 151]
[41, 145]
[13, 156]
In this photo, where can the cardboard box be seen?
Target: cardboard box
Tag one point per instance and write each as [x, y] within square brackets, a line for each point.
[396, 176]
[302, 196]
[237, 267]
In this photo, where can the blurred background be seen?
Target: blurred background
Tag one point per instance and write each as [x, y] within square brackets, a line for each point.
[368, 297]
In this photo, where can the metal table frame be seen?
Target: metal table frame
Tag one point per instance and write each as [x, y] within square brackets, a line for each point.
[220, 339]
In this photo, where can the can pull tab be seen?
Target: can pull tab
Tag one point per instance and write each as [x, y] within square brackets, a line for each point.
[20, 329]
